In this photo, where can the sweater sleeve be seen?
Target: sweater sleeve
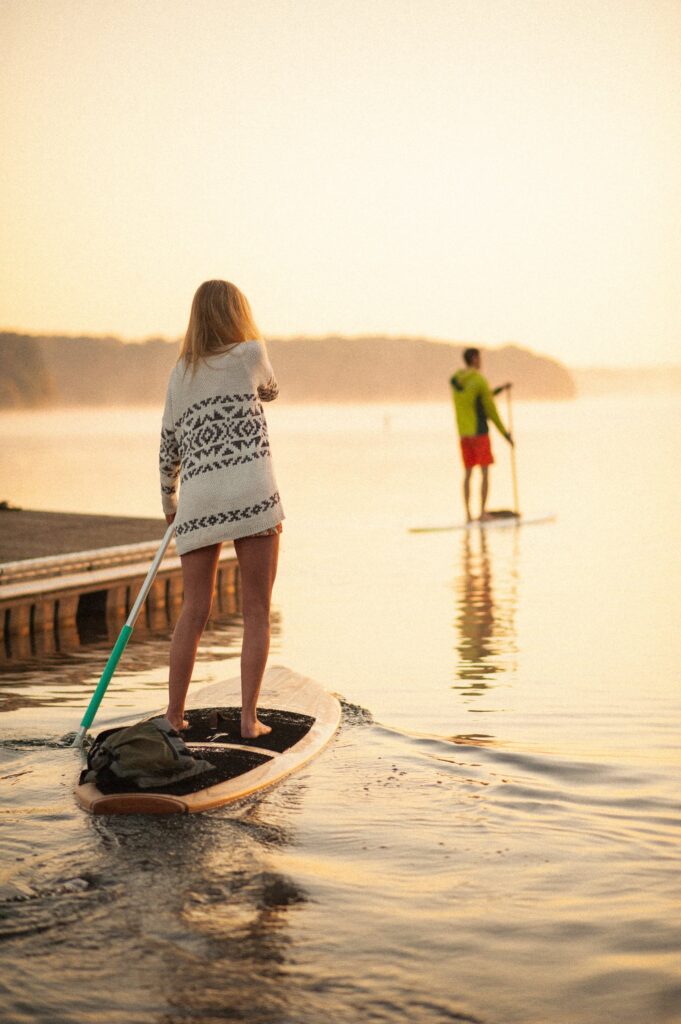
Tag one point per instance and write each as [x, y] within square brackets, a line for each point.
[490, 408]
[169, 458]
[268, 389]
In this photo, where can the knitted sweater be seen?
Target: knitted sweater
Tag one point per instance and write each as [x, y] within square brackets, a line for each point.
[214, 439]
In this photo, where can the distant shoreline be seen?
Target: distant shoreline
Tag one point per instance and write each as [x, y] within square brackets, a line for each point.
[78, 372]
[74, 371]
[627, 380]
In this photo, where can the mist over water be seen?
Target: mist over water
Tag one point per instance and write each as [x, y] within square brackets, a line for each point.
[493, 836]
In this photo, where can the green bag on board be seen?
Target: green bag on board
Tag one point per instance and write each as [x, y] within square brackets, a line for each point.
[146, 755]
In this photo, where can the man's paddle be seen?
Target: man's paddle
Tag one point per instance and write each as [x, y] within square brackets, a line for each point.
[123, 638]
[514, 475]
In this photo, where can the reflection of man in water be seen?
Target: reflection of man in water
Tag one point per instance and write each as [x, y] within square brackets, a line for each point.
[484, 623]
[476, 617]
[474, 405]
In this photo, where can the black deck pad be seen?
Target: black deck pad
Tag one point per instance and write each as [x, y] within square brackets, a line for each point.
[223, 725]
[228, 765]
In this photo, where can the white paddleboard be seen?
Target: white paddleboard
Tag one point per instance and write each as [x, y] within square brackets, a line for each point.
[303, 716]
[496, 523]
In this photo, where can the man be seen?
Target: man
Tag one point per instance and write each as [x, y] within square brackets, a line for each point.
[474, 405]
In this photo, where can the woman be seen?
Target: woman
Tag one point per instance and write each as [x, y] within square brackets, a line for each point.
[214, 438]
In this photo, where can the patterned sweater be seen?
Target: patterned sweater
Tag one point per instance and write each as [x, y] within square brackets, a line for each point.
[214, 440]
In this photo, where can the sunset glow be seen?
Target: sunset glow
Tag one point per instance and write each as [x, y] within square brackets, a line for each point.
[485, 171]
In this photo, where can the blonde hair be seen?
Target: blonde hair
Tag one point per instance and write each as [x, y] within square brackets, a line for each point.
[220, 318]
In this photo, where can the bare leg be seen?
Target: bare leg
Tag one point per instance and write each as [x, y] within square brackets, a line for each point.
[467, 494]
[257, 568]
[198, 572]
[484, 490]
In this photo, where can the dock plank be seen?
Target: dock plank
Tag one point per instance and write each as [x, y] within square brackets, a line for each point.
[27, 533]
[54, 566]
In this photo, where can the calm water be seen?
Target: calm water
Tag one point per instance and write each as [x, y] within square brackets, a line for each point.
[492, 837]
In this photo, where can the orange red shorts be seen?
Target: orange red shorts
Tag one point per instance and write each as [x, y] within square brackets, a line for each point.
[476, 451]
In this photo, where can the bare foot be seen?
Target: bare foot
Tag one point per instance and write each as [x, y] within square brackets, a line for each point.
[255, 729]
[177, 723]
[485, 517]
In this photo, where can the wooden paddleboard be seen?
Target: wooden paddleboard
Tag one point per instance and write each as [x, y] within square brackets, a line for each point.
[498, 522]
[303, 716]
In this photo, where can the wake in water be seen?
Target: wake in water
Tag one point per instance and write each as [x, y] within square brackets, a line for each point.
[395, 837]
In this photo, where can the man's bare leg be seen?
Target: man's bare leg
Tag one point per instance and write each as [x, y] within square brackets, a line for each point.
[198, 574]
[257, 569]
[467, 494]
[484, 491]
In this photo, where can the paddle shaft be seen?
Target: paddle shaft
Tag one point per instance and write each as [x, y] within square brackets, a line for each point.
[122, 640]
[514, 474]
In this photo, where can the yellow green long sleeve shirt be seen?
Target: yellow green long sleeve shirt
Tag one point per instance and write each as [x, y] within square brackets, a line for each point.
[474, 404]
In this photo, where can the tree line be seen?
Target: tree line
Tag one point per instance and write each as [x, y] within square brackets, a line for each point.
[65, 370]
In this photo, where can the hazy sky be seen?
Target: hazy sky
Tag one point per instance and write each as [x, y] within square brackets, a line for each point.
[460, 169]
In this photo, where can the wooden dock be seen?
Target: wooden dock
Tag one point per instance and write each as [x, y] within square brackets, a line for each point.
[78, 584]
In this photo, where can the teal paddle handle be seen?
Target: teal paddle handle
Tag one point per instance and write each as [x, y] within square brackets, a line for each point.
[123, 638]
[105, 679]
